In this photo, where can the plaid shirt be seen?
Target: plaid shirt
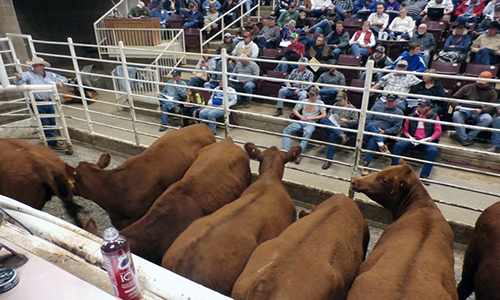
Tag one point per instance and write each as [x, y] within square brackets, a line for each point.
[401, 84]
[346, 5]
[352, 117]
[304, 76]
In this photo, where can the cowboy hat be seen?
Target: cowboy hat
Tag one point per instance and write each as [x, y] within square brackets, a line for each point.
[38, 61]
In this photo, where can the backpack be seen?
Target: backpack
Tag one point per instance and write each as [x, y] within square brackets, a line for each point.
[451, 56]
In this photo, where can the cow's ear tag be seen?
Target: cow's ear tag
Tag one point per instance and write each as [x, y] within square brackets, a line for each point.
[71, 181]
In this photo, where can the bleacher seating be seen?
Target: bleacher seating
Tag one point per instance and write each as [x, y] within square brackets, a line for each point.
[474, 70]
[349, 60]
[271, 88]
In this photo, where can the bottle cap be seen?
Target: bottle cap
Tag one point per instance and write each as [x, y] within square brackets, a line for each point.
[8, 279]
[111, 234]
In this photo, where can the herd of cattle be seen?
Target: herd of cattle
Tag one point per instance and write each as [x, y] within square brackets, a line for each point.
[199, 217]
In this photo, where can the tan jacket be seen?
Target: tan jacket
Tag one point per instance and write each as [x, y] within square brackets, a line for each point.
[486, 41]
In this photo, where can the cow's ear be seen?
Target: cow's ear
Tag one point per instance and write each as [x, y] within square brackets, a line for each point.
[104, 160]
[253, 151]
[293, 153]
[402, 162]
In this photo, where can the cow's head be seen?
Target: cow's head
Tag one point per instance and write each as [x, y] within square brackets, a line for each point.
[272, 158]
[388, 187]
[82, 176]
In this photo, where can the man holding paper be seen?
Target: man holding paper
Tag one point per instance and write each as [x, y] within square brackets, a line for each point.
[419, 131]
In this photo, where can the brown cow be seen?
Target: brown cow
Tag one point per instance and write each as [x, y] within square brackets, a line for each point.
[413, 258]
[127, 192]
[316, 258]
[32, 174]
[220, 173]
[481, 271]
[214, 250]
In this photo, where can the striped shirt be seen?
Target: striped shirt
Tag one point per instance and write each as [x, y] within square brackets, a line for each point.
[32, 77]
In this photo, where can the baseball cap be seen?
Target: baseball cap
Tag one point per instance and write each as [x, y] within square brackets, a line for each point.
[271, 18]
[484, 74]
[228, 35]
[314, 90]
[303, 59]
[391, 97]
[497, 7]
[292, 5]
[176, 73]
[341, 96]
[425, 102]
[380, 48]
[294, 35]
[402, 63]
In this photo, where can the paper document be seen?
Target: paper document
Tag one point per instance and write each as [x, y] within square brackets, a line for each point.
[415, 142]
[467, 108]
[314, 61]
[335, 120]
[166, 97]
[411, 102]
[285, 44]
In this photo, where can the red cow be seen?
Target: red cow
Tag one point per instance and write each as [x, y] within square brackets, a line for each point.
[214, 250]
[220, 173]
[316, 258]
[32, 174]
[127, 192]
[481, 271]
[413, 258]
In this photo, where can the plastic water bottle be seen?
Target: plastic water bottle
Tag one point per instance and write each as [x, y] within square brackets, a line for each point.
[118, 262]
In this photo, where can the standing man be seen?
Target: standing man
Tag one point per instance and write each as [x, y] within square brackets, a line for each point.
[382, 125]
[306, 113]
[338, 119]
[420, 131]
[243, 83]
[38, 75]
[426, 42]
[171, 92]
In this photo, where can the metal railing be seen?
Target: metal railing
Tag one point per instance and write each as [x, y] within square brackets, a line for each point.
[105, 118]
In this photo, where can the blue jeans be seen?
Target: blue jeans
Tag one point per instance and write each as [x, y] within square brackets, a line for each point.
[482, 120]
[286, 92]
[195, 81]
[166, 106]
[376, 76]
[323, 27]
[211, 115]
[328, 94]
[403, 35]
[307, 129]
[485, 57]
[333, 134]
[246, 87]
[336, 52]
[282, 67]
[432, 153]
[427, 58]
[372, 141]
[495, 136]
[50, 133]
[187, 111]
[212, 84]
[357, 50]
[263, 43]
[191, 24]
[363, 16]
[462, 20]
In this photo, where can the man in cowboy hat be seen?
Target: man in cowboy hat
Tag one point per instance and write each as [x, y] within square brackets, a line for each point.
[38, 75]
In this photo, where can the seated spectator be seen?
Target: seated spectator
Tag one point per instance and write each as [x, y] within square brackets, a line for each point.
[295, 88]
[338, 40]
[162, 14]
[363, 8]
[402, 26]
[400, 83]
[426, 41]
[338, 119]
[320, 52]
[481, 91]
[304, 5]
[181, 4]
[487, 46]
[420, 131]
[251, 27]
[495, 136]
[489, 10]
[242, 83]
[293, 52]
[382, 125]
[269, 35]
[227, 44]
[381, 61]
[495, 16]
[469, 11]
[287, 31]
[206, 63]
[458, 42]
[306, 113]
[281, 7]
[211, 15]
[247, 46]
[287, 16]
[319, 7]
[430, 86]
[217, 106]
[413, 57]
[171, 92]
[206, 5]
[343, 7]
[326, 22]
[302, 22]
[189, 109]
[193, 17]
[226, 6]
[328, 94]
[362, 41]
[446, 4]
[139, 11]
[391, 5]
[414, 8]
[378, 21]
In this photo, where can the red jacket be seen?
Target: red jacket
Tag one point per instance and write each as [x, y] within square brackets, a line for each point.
[478, 9]
[298, 48]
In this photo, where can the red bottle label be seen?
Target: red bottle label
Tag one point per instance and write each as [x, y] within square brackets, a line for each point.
[121, 271]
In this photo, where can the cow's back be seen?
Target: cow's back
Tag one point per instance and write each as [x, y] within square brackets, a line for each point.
[214, 250]
[413, 259]
[32, 173]
[316, 258]
[218, 176]
[481, 270]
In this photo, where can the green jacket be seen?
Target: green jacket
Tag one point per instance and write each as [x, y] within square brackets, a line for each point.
[286, 16]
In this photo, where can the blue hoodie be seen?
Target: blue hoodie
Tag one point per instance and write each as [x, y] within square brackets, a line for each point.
[415, 63]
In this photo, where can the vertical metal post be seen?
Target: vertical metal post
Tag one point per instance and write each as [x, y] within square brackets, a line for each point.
[80, 84]
[129, 92]
[225, 91]
[362, 122]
